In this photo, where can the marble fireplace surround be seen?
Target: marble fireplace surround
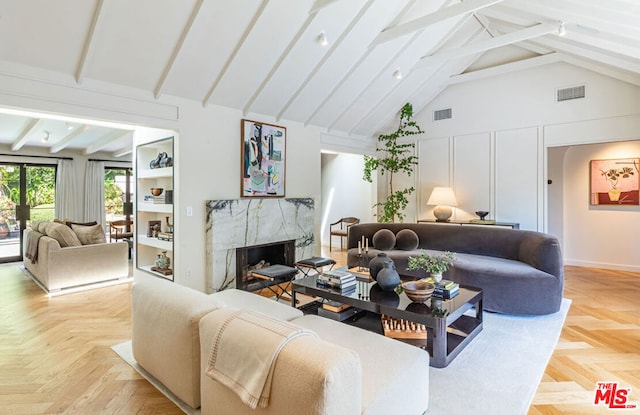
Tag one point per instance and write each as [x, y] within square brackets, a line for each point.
[237, 223]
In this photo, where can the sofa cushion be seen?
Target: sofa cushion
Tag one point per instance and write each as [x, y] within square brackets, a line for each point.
[61, 233]
[246, 300]
[89, 235]
[407, 240]
[384, 240]
[392, 372]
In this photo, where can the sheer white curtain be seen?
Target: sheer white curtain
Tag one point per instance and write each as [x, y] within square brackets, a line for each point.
[94, 192]
[66, 191]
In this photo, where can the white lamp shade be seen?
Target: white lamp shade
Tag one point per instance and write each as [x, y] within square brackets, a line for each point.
[442, 196]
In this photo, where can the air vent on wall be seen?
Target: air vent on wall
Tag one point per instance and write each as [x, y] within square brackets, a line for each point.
[566, 94]
[444, 114]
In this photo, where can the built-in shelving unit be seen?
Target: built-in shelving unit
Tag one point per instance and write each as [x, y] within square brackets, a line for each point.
[151, 241]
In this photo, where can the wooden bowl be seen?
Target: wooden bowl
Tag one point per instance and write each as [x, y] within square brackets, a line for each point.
[156, 191]
[418, 291]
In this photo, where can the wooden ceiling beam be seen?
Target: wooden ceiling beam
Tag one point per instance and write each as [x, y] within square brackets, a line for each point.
[236, 50]
[88, 47]
[24, 136]
[66, 141]
[107, 139]
[176, 50]
[459, 9]
[496, 42]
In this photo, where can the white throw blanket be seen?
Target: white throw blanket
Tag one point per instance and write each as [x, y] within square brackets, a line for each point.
[245, 348]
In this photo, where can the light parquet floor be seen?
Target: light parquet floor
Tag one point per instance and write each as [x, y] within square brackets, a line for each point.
[56, 357]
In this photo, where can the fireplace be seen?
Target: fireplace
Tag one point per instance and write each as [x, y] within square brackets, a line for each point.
[249, 258]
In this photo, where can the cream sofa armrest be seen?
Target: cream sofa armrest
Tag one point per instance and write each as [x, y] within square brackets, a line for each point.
[311, 377]
[165, 333]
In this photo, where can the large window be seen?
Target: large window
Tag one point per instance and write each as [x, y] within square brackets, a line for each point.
[118, 193]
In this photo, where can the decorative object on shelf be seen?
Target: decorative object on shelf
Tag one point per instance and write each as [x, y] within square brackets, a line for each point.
[152, 231]
[445, 200]
[169, 224]
[377, 263]
[263, 159]
[434, 264]
[615, 182]
[396, 156]
[162, 160]
[482, 214]
[163, 261]
[388, 278]
[418, 291]
[156, 191]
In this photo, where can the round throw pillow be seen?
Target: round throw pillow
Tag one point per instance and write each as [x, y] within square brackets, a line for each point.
[384, 240]
[407, 240]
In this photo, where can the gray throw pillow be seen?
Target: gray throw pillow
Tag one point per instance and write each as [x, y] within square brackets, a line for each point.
[384, 240]
[89, 235]
[407, 240]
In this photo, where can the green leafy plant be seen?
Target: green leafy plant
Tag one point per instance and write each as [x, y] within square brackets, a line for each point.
[394, 157]
[434, 264]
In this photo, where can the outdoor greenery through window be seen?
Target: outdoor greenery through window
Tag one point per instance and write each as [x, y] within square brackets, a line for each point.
[40, 192]
[115, 192]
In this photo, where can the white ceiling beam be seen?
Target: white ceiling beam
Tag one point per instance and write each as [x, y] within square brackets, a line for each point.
[122, 152]
[496, 42]
[24, 136]
[603, 69]
[176, 50]
[234, 53]
[506, 68]
[325, 58]
[319, 5]
[105, 140]
[87, 49]
[412, 26]
[594, 55]
[305, 25]
[64, 143]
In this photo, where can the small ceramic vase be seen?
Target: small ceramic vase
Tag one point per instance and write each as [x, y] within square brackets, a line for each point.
[388, 278]
[377, 263]
[163, 261]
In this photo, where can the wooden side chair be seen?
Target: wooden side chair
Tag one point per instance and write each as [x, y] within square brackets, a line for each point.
[120, 229]
[340, 228]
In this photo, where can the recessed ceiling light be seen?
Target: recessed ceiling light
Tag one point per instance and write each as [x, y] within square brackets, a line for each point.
[45, 137]
[397, 74]
[322, 39]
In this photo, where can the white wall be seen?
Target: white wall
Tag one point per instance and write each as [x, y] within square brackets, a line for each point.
[598, 236]
[493, 152]
[207, 148]
[344, 192]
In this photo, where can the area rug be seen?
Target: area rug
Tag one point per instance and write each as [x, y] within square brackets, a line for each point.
[497, 373]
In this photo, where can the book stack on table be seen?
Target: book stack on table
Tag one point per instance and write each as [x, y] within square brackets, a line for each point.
[337, 311]
[446, 290]
[339, 280]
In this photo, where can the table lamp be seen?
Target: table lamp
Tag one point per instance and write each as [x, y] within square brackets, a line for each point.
[444, 199]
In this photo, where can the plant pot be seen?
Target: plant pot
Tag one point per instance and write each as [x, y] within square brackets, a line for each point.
[614, 195]
[377, 263]
[437, 276]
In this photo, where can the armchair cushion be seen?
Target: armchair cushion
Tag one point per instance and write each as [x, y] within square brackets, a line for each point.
[384, 240]
[60, 232]
[89, 235]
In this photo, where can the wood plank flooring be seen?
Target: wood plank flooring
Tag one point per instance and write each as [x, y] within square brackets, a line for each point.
[56, 357]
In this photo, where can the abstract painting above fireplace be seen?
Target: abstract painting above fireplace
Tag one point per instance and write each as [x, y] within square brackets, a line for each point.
[238, 223]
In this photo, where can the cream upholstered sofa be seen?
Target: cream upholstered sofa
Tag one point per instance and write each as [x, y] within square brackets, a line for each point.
[63, 261]
[346, 370]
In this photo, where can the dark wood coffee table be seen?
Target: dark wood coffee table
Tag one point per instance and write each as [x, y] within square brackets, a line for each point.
[447, 335]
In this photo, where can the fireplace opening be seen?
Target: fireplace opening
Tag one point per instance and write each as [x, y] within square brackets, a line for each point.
[249, 258]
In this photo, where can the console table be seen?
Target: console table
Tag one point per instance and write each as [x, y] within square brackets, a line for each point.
[512, 225]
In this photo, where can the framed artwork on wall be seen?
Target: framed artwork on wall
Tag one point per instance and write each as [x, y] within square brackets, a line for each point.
[263, 159]
[615, 181]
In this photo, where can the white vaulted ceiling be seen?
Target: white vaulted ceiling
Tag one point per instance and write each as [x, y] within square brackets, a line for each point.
[262, 56]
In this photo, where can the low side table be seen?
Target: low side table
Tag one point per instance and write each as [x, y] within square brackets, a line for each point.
[316, 263]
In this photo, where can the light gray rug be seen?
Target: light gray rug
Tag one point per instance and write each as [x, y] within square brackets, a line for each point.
[498, 373]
